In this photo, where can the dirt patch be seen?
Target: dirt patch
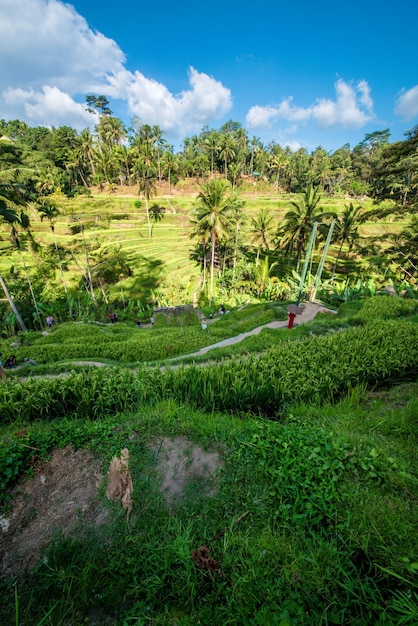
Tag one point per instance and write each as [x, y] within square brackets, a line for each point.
[179, 462]
[63, 492]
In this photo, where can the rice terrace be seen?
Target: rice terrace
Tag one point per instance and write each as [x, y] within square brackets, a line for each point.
[209, 392]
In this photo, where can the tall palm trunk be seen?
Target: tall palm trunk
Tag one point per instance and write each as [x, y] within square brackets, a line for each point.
[212, 265]
[12, 305]
[38, 313]
[148, 217]
[64, 284]
[89, 276]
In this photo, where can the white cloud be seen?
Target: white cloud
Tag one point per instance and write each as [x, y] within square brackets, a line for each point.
[407, 104]
[178, 114]
[51, 59]
[352, 108]
[48, 42]
[261, 117]
[294, 146]
[51, 105]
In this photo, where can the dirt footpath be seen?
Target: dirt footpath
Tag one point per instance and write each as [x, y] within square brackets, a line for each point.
[310, 311]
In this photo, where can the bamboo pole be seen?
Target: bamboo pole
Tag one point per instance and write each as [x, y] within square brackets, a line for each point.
[305, 266]
[322, 262]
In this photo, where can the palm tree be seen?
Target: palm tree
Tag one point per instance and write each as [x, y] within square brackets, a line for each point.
[124, 156]
[234, 171]
[297, 225]
[158, 142]
[48, 210]
[111, 131]
[214, 204]
[200, 252]
[12, 205]
[87, 148]
[211, 144]
[262, 229]
[278, 163]
[227, 152]
[12, 305]
[263, 272]
[346, 229]
[146, 185]
[170, 165]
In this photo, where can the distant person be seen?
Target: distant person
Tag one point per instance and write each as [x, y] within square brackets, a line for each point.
[50, 321]
[28, 361]
[10, 362]
[151, 319]
[222, 310]
[113, 317]
[138, 323]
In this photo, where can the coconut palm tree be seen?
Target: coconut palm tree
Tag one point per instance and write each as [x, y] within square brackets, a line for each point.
[170, 165]
[48, 210]
[213, 209]
[12, 212]
[263, 273]
[228, 152]
[297, 225]
[346, 229]
[146, 177]
[211, 144]
[87, 148]
[262, 230]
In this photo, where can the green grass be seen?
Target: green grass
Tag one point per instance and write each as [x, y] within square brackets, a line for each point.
[315, 517]
[329, 535]
[112, 220]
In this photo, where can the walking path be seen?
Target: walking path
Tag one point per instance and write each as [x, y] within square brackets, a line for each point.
[310, 310]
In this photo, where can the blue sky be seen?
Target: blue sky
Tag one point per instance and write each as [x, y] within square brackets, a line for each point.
[301, 74]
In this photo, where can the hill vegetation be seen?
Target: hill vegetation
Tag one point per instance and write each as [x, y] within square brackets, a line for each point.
[274, 470]
[118, 220]
[274, 485]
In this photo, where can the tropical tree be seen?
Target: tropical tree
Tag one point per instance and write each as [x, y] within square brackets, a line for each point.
[87, 149]
[263, 273]
[213, 211]
[227, 152]
[262, 229]
[170, 166]
[346, 229]
[12, 212]
[48, 210]
[146, 178]
[278, 163]
[211, 144]
[297, 225]
[255, 146]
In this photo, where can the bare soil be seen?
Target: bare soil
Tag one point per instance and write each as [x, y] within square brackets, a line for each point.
[65, 492]
[179, 462]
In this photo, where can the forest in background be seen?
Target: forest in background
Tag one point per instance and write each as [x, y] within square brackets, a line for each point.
[117, 218]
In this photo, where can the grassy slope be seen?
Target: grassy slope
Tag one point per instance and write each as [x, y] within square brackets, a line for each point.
[330, 490]
[112, 220]
[329, 535]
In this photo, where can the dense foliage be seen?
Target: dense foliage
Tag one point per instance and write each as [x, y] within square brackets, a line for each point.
[314, 517]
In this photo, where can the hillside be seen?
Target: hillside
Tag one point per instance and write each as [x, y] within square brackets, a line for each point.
[275, 484]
